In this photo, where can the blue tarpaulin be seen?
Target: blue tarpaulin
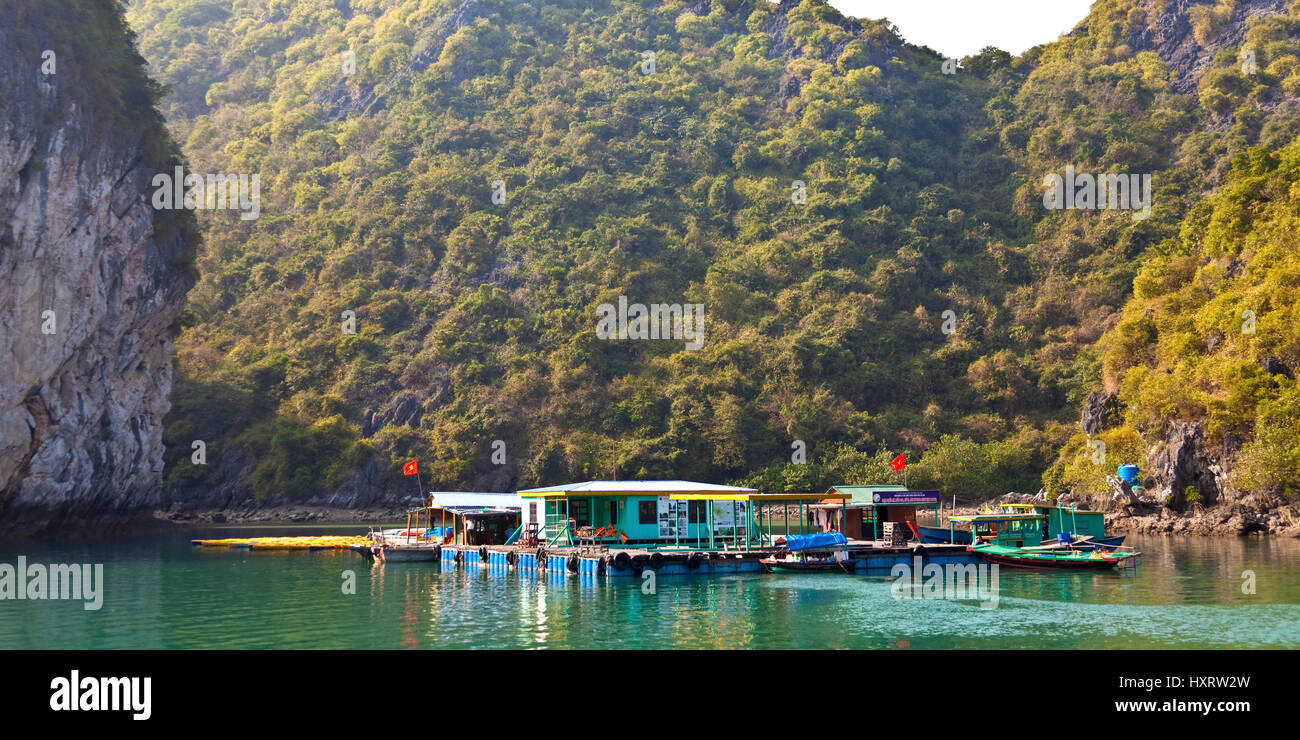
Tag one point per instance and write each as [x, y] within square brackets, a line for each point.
[796, 542]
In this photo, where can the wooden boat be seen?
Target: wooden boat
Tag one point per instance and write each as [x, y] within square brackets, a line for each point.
[820, 552]
[1085, 530]
[406, 553]
[1055, 559]
[941, 535]
[808, 565]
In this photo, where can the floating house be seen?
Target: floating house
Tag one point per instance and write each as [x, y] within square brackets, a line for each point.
[475, 518]
[656, 515]
[858, 511]
[675, 527]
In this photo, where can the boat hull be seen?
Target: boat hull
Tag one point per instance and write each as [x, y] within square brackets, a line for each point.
[772, 565]
[1062, 561]
[415, 554]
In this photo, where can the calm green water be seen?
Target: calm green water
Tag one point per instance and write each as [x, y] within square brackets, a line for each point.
[162, 593]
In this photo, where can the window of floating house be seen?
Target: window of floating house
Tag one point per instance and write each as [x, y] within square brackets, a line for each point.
[648, 512]
[580, 512]
[697, 512]
[613, 512]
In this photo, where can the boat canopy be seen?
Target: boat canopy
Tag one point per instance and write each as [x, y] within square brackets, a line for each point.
[796, 542]
[994, 517]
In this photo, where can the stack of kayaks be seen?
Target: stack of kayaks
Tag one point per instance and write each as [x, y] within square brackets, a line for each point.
[310, 543]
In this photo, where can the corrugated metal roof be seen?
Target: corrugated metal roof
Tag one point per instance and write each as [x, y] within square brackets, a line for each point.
[869, 488]
[638, 487]
[475, 500]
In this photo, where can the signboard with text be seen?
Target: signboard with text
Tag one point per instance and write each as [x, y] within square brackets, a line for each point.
[905, 498]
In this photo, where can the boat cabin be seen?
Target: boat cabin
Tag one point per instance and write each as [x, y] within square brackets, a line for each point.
[1058, 519]
[1006, 529]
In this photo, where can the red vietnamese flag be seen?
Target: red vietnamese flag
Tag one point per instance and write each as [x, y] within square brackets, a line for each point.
[899, 462]
[410, 468]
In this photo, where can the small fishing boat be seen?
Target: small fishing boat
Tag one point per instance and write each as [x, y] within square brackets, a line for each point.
[406, 553]
[1083, 530]
[1012, 538]
[1020, 557]
[820, 552]
[808, 565]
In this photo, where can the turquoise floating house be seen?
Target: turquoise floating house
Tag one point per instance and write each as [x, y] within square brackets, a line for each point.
[654, 514]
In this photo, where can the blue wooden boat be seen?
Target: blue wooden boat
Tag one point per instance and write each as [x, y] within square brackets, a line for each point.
[943, 535]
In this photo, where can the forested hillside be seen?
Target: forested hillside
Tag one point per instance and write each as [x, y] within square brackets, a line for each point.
[490, 172]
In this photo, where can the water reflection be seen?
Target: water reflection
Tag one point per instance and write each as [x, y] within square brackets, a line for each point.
[161, 593]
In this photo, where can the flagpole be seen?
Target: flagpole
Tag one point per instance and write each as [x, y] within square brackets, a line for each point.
[419, 484]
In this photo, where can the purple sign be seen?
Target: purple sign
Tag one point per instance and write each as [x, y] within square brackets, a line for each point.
[905, 498]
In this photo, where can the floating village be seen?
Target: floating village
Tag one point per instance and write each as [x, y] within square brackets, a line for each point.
[612, 528]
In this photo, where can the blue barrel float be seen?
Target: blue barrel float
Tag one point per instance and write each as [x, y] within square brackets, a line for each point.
[1129, 473]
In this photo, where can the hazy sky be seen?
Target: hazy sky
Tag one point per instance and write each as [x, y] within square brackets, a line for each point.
[961, 27]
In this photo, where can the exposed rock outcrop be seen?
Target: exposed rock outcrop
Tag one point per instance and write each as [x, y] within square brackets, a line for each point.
[1100, 411]
[93, 277]
[1168, 32]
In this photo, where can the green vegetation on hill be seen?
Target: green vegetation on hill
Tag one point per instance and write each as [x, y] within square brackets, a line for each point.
[476, 320]
[1207, 317]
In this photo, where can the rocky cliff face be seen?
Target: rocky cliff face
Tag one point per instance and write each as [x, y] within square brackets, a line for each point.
[1169, 33]
[93, 279]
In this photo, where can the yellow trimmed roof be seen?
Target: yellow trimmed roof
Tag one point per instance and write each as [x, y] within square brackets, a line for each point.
[774, 497]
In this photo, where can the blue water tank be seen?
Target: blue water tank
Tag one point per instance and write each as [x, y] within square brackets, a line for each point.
[1129, 473]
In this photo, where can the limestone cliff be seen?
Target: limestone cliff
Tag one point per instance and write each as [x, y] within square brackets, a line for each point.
[93, 277]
